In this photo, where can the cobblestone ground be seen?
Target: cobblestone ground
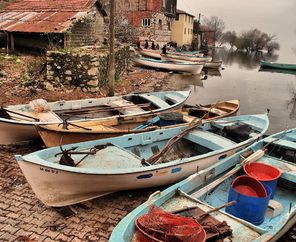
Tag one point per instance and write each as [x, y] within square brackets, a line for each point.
[24, 218]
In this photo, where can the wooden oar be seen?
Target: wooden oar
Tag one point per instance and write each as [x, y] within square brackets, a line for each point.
[104, 109]
[158, 157]
[20, 114]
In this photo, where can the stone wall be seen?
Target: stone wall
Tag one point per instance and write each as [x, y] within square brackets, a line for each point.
[84, 68]
[88, 30]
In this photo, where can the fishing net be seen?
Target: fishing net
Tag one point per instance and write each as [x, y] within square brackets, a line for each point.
[159, 225]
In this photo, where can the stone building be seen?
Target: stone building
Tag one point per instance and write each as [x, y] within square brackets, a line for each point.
[151, 18]
[63, 23]
[182, 28]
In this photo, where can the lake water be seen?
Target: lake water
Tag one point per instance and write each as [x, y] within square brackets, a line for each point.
[241, 78]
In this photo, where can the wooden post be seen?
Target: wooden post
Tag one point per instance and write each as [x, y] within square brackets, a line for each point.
[111, 74]
[11, 41]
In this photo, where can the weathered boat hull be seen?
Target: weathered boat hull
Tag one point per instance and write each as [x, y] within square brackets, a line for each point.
[21, 129]
[117, 167]
[194, 68]
[56, 187]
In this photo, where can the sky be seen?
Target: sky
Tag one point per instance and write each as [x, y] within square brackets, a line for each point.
[275, 17]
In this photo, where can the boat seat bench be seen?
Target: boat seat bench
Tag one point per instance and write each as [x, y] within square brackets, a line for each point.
[281, 142]
[210, 140]
[155, 100]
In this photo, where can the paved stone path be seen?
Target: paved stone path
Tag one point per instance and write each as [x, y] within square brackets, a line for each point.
[24, 218]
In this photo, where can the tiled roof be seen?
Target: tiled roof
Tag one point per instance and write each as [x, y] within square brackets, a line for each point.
[50, 5]
[40, 16]
[179, 11]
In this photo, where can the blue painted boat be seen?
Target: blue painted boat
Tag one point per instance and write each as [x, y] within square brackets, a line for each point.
[113, 164]
[209, 188]
[284, 66]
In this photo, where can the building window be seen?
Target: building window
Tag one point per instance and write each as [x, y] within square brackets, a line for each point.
[188, 31]
[169, 26]
[159, 24]
[191, 31]
[185, 18]
[177, 17]
[184, 30]
[146, 22]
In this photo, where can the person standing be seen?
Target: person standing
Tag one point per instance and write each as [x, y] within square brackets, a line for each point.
[138, 42]
[146, 44]
[164, 49]
[153, 45]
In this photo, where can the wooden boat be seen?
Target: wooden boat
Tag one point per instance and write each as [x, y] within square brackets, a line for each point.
[57, 134]
[273, 70]
[149, 53]
[209, 188]
[156, 54]
[213, 64]
[17, 121]
[121, 163]
[276, 65]
[186, 53]
[173, 57]
[194, 68]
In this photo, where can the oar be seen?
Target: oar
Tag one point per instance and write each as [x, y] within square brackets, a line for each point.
[104, 109]
[158, 157]
[20, 114]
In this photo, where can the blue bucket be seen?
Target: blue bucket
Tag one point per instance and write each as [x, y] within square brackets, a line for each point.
[247, 207]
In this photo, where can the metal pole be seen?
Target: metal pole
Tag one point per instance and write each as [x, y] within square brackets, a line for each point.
[111, 74]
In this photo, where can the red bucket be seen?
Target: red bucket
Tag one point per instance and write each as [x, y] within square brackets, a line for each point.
[249, 186]
[267, 174]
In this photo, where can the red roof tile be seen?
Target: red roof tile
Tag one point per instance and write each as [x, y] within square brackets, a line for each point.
[40, 16]
[50, 5]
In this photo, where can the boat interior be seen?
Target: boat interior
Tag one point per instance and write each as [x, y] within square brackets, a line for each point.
[200, 141]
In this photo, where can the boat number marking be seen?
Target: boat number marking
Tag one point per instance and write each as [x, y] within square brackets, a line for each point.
[48, 170]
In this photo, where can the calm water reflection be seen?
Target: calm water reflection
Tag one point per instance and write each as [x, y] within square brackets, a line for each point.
[241, 79]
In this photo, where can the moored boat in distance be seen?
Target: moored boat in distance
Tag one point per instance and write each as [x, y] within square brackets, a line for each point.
[194, 68]
[173, 57]
[92, 169]
[17, 122]
[149, 53]
[284, 66]
[210, 189]
[57, 134]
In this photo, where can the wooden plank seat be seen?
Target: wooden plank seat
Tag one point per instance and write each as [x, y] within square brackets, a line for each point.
[129, 107]
[155, 100]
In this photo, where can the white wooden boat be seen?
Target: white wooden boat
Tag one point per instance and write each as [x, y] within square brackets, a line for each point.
[194, 68]
[173, 57]
[109, 165]
[209, 188]
[213, 64]
[149, 53]
[17, 121]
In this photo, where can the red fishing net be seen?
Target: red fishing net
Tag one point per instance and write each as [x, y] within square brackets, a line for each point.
[159, 225]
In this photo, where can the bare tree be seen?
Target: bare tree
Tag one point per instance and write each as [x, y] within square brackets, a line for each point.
[216, 24]
[229, 37]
